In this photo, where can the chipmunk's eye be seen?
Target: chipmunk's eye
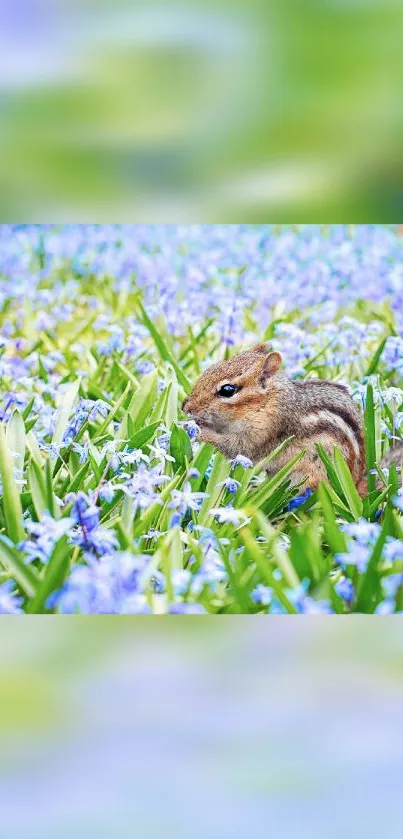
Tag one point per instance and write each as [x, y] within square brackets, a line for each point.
[228, 390]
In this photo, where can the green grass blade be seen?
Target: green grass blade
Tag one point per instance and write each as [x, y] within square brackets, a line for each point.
[37, 485]
[370, 592]
[13, 562]
[16, 440]
[55, 573]
[282, 559]
[259, 497]
[113, 412]
[370, 439]
[163, 349]
[64, 411]
[214, 489]
[349, 489]
[141, 404]
[263, 566]
[180, 446]
[145, 435]
[334, 536]
[330, 471]
[373, 365]
[12, 506]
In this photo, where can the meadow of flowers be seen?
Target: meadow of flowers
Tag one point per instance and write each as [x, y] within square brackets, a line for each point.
[110, 504]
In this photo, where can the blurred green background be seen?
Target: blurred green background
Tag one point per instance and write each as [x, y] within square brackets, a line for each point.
[233, 110]
[237, 727]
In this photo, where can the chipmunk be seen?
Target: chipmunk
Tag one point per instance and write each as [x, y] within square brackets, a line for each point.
[247, 405]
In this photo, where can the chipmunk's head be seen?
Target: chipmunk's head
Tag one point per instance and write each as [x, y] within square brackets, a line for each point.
[229, 394]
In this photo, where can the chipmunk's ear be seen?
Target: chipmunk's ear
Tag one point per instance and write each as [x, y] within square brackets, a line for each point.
[271, 366]
[261, 348]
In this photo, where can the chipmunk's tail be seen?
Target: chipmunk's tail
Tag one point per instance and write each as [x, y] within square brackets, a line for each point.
[395, 455]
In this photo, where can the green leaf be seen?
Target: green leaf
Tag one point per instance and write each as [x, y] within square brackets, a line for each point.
[163, 349]
[259, 467]
[241, 593]
[16, 440]
[63, 413]
[28, 408]
[263, 566]
[282, 559]
[141, 404]
[160, 407]
[180, 446]
[370, 439]
[52, 504]
[149, 516]
[306, 552]
[200, 464]
[349, 489]
[171, 411]
[76, 483]
[259, 497]
[370, 590]
[143, 436]
[12, 506]
[34, 449]
[171, 552]
[112, 413]
[127, 513]
[330, 471]
[372, 367]
[13, 562]
[219, 472]
[55, 573]
[37, 485]
[334, 536]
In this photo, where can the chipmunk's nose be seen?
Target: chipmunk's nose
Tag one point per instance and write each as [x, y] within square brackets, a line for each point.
[184, 405]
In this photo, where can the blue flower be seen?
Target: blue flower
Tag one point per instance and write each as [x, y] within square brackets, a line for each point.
[107, 492]
[186, 499]
[192, 429]
[393, 550]
[10, 601]
[46, 533]
[357, 555]
[231, 485]
[112, 585]
[186, 609]
[345, 589]
[86, 514]
[398, 501]
[89, 535]
[299, 499]
[391, 583]
[386, 607]
[242, 461]
[262, 594]
[363, 531]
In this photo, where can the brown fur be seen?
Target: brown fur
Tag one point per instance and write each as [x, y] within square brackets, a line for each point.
[394, 456]
[269, 408]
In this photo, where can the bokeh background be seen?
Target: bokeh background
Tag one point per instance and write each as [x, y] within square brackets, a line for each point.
[230, 727]
[232, 110]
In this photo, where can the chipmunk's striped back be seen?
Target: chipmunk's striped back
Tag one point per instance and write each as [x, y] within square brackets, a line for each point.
[321, 412]
[329, 411]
